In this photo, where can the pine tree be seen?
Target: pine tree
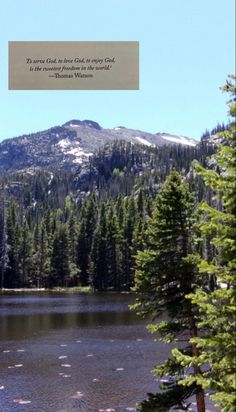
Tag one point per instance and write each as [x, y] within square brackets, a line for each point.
[3, 237]
[73, 235]
[138, 241]
[60, 272]
[140, 205]
[72, 232]
[83, 251]
[36, 254]
[44, 255]
[120, 241]
[128, 260]
[25, 255]
[98, 256]
[22, 254]
[85, 238]
[218, 307]
[112, 253]
[14, 232]
[166, 272]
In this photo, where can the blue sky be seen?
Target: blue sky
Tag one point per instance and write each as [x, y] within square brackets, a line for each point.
[186, 53]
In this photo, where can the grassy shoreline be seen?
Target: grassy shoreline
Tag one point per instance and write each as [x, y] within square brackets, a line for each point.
[76, 289]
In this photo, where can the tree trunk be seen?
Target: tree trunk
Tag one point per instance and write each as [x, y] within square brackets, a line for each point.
[200, 399]
[200, 396]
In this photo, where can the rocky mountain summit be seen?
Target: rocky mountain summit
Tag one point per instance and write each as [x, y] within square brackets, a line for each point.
[72, 144]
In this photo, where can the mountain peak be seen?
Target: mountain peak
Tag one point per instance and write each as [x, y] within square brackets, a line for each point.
[86, 123]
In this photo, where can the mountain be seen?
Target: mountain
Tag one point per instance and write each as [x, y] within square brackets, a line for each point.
[70, 145]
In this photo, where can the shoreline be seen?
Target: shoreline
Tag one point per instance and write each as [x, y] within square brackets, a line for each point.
[76, 289]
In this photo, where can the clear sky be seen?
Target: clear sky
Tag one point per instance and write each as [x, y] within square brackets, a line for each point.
[186, 53]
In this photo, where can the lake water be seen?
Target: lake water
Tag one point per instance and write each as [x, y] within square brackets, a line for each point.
[73, 352]
[68, 353]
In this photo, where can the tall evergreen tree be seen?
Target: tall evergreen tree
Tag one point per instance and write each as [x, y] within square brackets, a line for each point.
[36, 254]
[60, 257]
[120, 241]
[83, 252]
[13, 228]
[165, 273]
[25, 254]
[128, 260]
[112, 253]
[44, 255]
[73, 236]
[22, 254]
[85, 238]
[98, 256]
[3, 237]
[72, 233]
[218, 307]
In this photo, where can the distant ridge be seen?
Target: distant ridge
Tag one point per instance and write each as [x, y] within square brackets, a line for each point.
[73, 143]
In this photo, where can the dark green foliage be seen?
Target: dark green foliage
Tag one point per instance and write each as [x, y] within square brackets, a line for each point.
[85, 243]
[60, 272]
[172, 396]
[165, 273]
[128, 232]
[160, 265]
[25, 254]
[12, 275]
[88, 219]
[99, 269]
[112, 251]
[3, 237]
[216, 130]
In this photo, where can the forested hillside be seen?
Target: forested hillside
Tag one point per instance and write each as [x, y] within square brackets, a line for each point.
[84, 227]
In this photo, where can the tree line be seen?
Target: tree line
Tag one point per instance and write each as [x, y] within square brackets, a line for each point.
[93, 244]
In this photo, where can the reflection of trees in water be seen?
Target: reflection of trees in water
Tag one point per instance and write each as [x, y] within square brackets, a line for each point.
[23, 326]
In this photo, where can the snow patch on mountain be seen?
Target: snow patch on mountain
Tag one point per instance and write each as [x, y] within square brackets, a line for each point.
[50, 179]
[143, 141]
[63, 143]
[74, 149]
[78, 153]
[179, 139]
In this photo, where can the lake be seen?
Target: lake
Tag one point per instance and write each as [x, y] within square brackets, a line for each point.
[74, 352]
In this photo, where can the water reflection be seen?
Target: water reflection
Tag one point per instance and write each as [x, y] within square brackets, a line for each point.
[17, 327]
